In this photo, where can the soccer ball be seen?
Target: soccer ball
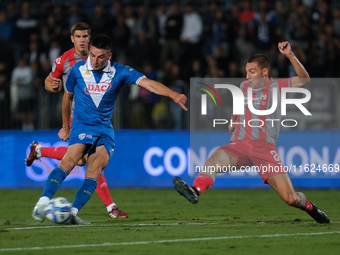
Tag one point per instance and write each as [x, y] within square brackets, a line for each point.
[58, 210]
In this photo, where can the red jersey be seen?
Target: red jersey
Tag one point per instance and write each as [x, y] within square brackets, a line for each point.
[62, 65]
[260, 127]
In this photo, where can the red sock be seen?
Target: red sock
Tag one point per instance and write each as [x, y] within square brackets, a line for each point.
[308, 206]
[53, 152]
[203, 182]
[103, 191]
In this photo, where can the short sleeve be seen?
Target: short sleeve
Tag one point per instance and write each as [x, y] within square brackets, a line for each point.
[57, 69]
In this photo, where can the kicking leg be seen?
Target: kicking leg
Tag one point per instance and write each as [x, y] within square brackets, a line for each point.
[283, 186]
[204, 180]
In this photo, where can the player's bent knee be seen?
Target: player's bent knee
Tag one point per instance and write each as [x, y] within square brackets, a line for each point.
[81, 162]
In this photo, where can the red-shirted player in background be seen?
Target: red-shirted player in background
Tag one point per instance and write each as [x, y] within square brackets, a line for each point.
[255, 146]
[80, 36]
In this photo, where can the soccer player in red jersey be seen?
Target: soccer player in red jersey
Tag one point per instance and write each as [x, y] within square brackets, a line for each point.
[255, 145]
[80, 37]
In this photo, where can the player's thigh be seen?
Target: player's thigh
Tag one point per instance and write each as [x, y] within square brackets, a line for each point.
[221, 158]
[96, 162]
[73, 154]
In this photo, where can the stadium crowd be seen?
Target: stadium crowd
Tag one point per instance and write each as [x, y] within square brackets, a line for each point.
[168, 41]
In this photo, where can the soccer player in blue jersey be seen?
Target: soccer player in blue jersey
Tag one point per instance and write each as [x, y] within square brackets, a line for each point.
[94, 85]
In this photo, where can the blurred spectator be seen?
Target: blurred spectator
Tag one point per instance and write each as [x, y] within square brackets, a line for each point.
[24, 26]
[197, 70]
[51, 30]
[4, 97]
[233, 70]
[130, 21]
[6, 27]
[191, 34]
[54, 51]
[263, 34]
[173, 28]
[120, 36]
[336, 21]
[74, 16]
[220, 33]
[179, 85]
[142, 51]
[116, 9]
[99, 22]
[208, 19]
[245, 18]
[23, 93]
[144, 22]
[146, 98]
[162, 16]
[35, 53]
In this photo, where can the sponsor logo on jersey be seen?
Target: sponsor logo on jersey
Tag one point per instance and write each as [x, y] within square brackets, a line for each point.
[54, 67]
[99, 88]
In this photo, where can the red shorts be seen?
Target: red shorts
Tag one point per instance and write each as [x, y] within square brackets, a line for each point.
[256, 153]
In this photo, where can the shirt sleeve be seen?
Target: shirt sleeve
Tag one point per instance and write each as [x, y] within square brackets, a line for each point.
[284, 83]
[131, 76]
[57, 68]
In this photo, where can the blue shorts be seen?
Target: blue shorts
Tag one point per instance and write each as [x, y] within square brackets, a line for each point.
[92, 135]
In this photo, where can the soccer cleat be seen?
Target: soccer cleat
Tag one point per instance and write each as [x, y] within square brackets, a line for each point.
[33, 153]
[318, 215]
[190, 193]
[75, 220]
[39, 212]
[117, 213]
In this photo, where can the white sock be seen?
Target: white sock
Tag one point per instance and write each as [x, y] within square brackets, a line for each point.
[109, 208]
[38, 151]
[43, 200]
[74, 211]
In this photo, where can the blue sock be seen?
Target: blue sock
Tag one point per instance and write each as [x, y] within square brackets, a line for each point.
[54, 180]
[84, 193]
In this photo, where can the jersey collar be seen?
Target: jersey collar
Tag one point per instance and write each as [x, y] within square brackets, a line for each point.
[89, 67]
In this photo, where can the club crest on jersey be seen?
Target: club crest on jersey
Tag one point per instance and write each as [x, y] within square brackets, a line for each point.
[82, 136]
[99, 88]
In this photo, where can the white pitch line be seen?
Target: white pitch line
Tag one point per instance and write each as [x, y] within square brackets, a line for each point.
[148, 225]
[165, 241]
[115, 225]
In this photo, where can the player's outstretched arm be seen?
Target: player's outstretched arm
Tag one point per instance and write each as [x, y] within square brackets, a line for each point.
[53, 85]
[302, 75]
[160, 89]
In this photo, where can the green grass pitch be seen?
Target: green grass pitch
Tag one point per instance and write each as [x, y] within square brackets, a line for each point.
[163, 222]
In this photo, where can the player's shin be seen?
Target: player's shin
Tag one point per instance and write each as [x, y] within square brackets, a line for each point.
[54, 180]
[53, 152]
[83, 194]
[103, 191]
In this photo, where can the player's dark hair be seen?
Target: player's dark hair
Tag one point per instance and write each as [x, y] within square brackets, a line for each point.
[80, 26]
[102, 41]
[261, 60]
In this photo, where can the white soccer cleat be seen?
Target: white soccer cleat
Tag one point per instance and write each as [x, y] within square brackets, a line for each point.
[39, 212]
